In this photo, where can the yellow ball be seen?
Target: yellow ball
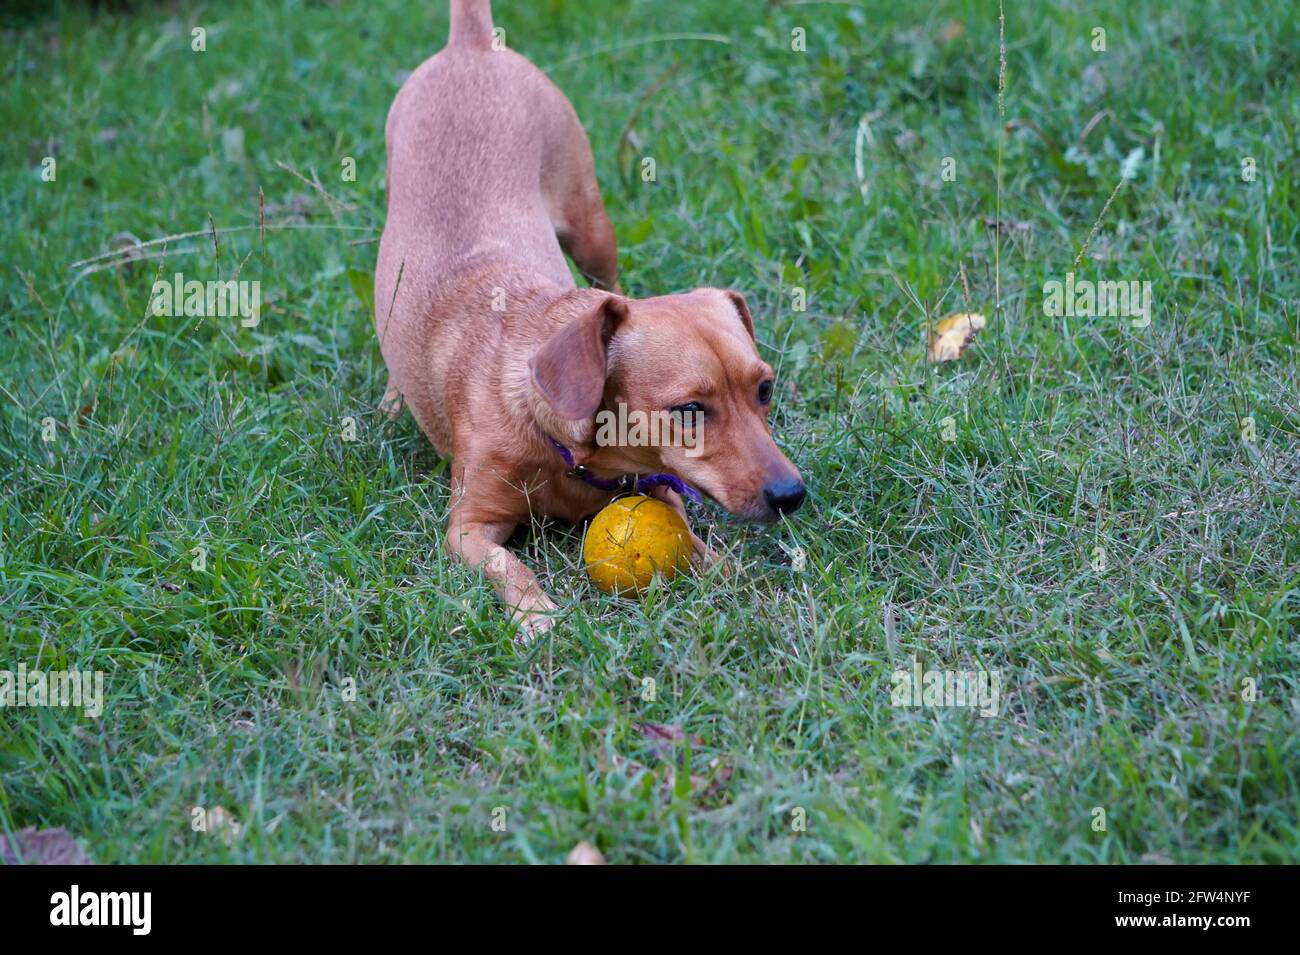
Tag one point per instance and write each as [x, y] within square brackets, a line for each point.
[631, 540]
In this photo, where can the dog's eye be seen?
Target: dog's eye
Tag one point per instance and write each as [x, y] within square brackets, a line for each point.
[692, 408]
[765, 392]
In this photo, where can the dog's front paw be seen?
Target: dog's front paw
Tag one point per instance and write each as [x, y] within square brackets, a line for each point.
[391, 403]
[709, 559]
[538, 618]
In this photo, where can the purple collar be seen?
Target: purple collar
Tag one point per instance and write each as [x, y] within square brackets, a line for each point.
[628, 483]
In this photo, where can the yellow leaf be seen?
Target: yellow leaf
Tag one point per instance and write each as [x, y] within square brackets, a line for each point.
[951, 336]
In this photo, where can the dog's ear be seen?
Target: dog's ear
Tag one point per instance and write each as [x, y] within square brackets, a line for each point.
[569, 370]
[742, 307]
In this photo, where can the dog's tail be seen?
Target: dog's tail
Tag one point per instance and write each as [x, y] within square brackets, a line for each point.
[471, 24]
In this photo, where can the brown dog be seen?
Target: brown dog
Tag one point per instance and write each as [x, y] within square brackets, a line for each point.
[502, 359]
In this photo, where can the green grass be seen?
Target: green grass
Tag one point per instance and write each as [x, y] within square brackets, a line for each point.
[324, 558]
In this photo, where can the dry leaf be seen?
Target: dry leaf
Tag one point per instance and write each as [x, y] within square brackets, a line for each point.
[41, 847]
[711, 787]
[660, 731]
[705, 787]
[584, 853]
[953, 335]
[662, 737]
[630, 768]
[663, 746]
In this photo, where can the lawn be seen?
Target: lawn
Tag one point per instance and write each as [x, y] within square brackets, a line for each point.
[1102, 512]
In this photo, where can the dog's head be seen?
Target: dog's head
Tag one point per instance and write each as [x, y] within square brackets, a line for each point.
[673, 384]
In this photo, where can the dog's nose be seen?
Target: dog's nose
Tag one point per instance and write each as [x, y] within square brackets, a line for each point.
[786, 495]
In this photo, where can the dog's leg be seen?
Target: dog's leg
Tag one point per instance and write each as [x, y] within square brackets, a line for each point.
[482, 545]
[588, 238]
[576, 210]
[703, 552]
[391, 403]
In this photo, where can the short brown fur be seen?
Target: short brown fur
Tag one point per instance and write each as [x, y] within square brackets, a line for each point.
[494, 349]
